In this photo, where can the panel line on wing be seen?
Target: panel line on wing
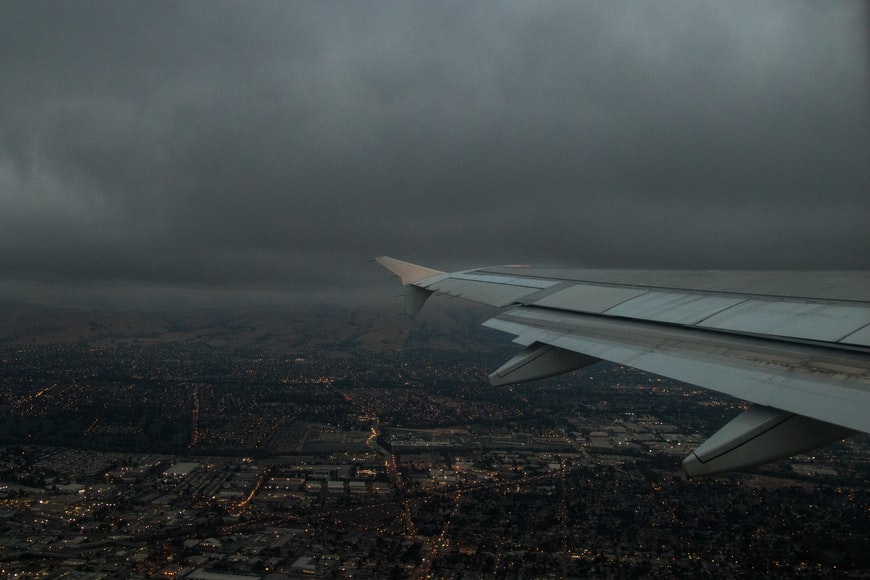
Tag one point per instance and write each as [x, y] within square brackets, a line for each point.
[860, 337]
[509, 280]
[673, 307]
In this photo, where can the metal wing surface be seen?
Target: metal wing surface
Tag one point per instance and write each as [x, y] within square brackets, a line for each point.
[794, 344]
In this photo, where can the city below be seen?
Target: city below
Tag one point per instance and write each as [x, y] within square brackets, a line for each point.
[191, 459]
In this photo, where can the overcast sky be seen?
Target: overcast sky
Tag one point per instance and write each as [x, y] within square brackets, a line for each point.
[194, 152]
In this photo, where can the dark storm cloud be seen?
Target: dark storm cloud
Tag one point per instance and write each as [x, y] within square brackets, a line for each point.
[276, 147]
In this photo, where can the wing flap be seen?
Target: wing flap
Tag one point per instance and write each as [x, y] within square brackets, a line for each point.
[591, 298]
[803, 320]
[825, 384]
[674, 308]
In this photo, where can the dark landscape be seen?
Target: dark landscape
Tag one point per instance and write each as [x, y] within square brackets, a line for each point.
[341, 443]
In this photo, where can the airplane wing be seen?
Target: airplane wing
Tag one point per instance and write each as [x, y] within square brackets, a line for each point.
[794, 344]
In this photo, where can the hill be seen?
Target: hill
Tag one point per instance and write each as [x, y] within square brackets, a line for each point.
[330, 328]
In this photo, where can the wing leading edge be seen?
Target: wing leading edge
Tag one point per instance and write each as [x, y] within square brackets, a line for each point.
[794, 344]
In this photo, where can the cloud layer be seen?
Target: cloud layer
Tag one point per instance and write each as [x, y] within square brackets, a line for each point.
[272, 148]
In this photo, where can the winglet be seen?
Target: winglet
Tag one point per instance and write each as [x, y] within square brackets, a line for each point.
[408, 272]
[415, 296]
